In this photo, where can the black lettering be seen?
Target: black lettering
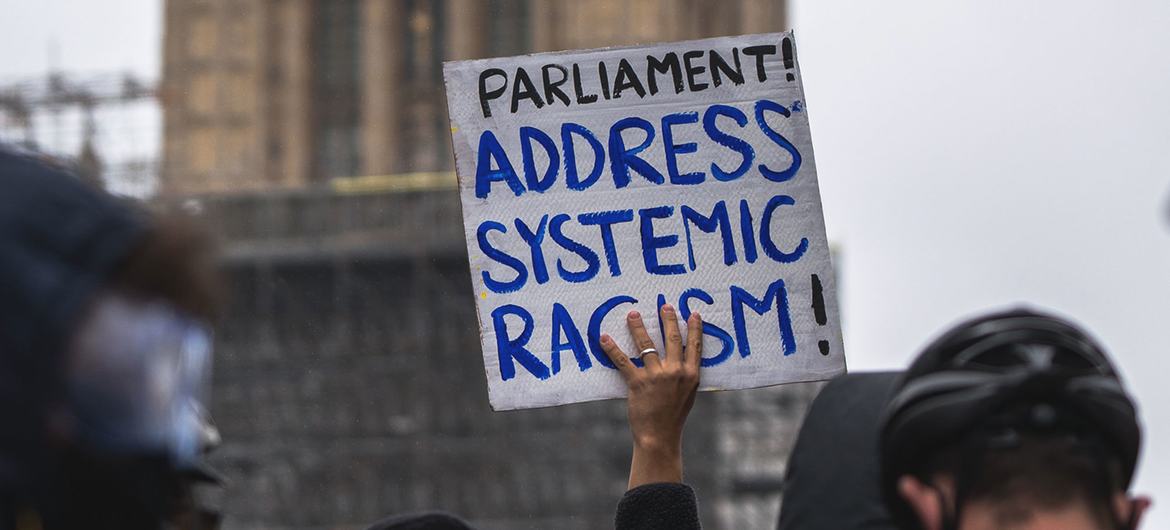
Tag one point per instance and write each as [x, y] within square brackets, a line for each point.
[603, 74]
[552, 88]
[759, 52]
[669, 63]
[719, 68]
[486, 95]
[582, 97]
[626, 78]
[694, 70]
[528, 91]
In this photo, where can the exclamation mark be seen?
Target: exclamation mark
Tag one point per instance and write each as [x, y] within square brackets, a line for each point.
[818, 305]
[789, 61]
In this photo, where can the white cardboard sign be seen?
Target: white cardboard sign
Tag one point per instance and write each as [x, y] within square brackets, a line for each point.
[595, 182]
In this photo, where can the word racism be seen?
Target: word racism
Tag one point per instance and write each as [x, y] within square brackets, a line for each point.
[576, 215]
[695, 65]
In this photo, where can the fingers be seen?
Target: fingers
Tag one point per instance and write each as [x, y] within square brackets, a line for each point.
[618, 357]
[694, 351]
[674, 347]
[642, 341]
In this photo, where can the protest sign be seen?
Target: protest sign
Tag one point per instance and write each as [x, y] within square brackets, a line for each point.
[595, 182]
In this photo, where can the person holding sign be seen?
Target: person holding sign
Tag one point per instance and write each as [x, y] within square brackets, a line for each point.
[1016, 419]
[661, 394]
[595, 181]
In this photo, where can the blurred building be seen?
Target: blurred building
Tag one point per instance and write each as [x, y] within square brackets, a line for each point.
[263, 94]
[312, 136]
[104, 125]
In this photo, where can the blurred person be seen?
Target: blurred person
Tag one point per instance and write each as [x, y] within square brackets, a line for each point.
[105, 358]
[1014, 420]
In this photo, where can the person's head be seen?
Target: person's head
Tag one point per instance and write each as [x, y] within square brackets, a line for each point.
[1014, 420]
[104, 354]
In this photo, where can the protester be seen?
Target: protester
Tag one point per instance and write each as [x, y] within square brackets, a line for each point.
[661, 394]
[1015, 420]
[105, 352]
[1012, 420]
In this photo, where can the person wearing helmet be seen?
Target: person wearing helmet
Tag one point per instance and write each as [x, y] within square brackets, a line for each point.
[1016, 419]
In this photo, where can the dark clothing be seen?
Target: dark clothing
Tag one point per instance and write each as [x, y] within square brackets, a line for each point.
[833, 477]
[664, 506]
[833, 480]
[59, 241]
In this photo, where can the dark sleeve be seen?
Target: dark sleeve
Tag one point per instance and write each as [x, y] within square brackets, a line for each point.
[662, 506]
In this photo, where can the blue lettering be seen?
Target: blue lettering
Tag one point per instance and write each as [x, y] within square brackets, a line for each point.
[622, 160]
[592, 264]
[492, 155]
[766, 233]
[563, 323]
[776, 176]
[718, 220]
[709, 329]
[571, 175]
[747, 229]
[527, 135]
[594, 331]
[740, 298]
[535, 240]
[673, 149]
[510, 350]
[501, 257]
[606, 220]
[728, 141]
[651, 244]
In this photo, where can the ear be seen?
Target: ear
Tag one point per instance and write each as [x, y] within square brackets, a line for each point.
[1132, 509]
[924, 500]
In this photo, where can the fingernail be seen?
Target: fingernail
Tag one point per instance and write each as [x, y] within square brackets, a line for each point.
[634, 314]
[667, 309]
[696, 315]
[605, 339]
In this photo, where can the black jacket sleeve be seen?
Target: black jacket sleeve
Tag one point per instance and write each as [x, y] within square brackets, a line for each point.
[662, 506]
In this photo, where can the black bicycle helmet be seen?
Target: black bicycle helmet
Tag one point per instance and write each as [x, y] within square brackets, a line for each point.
[1017, 371]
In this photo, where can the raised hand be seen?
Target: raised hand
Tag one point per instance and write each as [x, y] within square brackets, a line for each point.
[661, 393]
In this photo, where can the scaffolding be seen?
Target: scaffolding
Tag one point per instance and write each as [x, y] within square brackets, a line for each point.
[107, 125]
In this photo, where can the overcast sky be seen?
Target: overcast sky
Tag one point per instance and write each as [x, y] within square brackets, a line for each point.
[971, 155]
[985, 153]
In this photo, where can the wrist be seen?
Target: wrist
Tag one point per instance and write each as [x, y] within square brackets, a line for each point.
[655, 462]
[658, 447]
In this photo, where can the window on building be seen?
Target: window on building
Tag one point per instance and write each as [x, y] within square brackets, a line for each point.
[336, 74]
[425, 138]
[509, 30]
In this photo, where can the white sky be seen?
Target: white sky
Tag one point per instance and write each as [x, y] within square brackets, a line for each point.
[106, 36]
[981, 153]
[972, 154]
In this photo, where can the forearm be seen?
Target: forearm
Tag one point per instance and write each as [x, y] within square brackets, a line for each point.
[653, 463]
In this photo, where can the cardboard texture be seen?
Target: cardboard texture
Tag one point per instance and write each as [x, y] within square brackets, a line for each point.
[595, 182]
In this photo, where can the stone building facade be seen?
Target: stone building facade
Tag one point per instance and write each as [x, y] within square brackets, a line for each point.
[311, 136]
[264, 94]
